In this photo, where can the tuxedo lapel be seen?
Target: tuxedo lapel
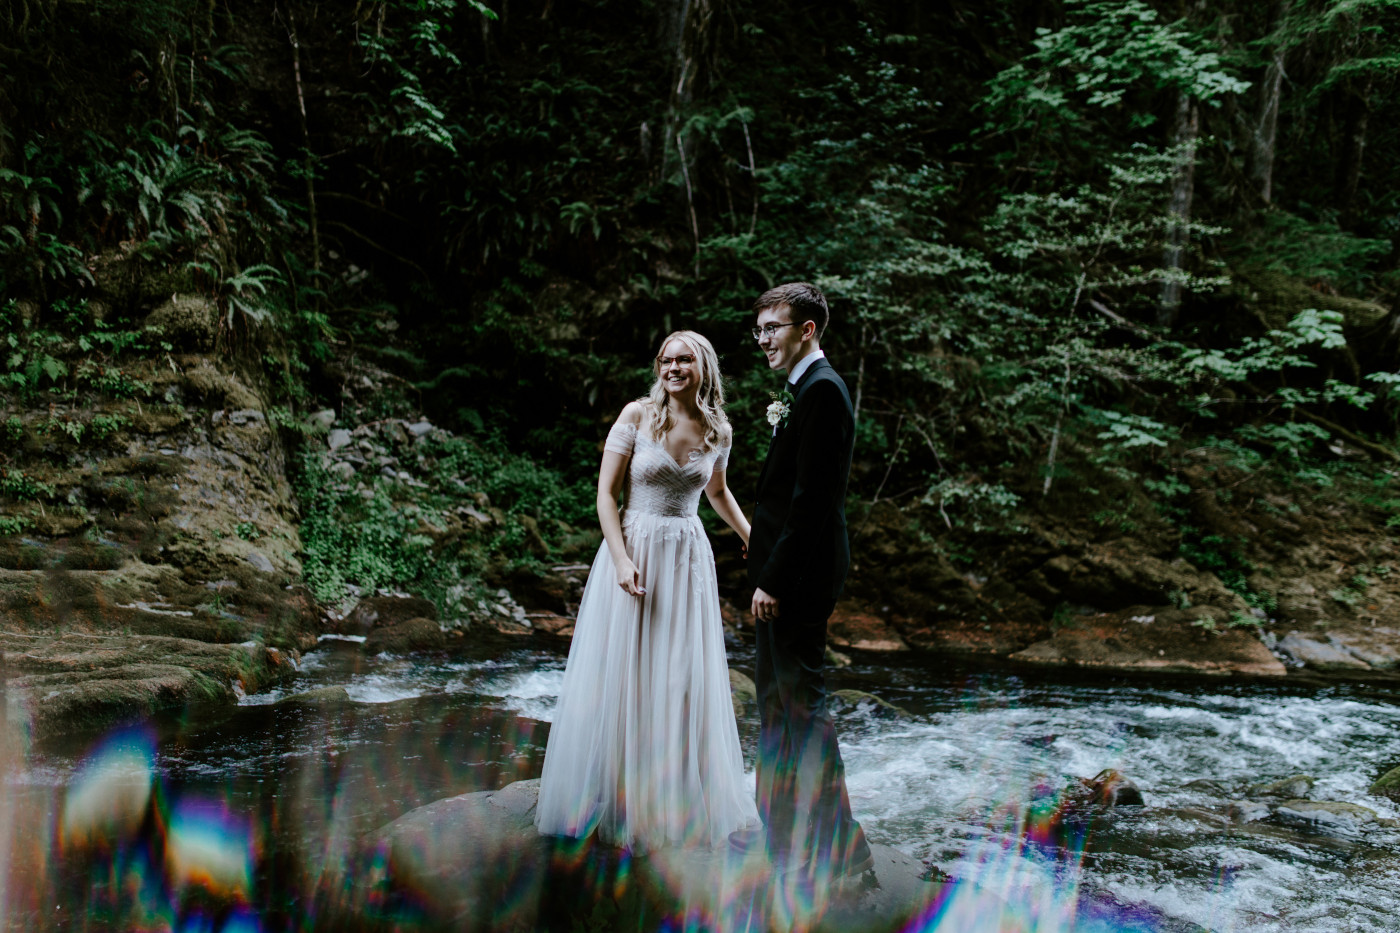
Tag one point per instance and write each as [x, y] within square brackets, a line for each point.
[796, 390]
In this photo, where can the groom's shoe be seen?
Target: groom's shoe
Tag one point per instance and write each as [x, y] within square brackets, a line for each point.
[857, 867]
[744, 841]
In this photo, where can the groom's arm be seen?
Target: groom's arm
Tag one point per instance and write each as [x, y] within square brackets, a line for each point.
[823, 449]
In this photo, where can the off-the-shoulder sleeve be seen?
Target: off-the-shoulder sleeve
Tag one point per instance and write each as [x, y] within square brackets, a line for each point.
[722, 460]
[621, 439]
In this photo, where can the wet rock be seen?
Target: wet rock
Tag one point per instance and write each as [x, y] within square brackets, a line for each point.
[1295, 786]
[407, 636]
[1380, 657]
[1247, 811]
[59, 683]
[323, 696]
[462, 857]
[1388, 784]
[853, 626]
[1317, 655]
[1326, 815]
[338, 438]
[1111, 788]
[383, 611]
[1171, 641]
[742, 692]
[860, 700]
[550, 623]
[834, 658]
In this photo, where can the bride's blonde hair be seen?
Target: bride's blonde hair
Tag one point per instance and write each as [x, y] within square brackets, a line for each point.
[709, 398]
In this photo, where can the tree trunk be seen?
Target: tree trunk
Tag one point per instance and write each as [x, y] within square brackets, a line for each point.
[1265, 135]
[1184, 139]
[1266, 130]
[1358, 115]
[308, 158]
[691, 22]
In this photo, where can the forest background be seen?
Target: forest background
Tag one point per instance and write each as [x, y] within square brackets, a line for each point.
[1102, 272]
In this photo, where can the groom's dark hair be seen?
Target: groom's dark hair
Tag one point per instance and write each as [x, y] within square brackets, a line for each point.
[804, 300]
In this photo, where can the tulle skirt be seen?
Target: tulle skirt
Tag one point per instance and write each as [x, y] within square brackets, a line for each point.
[644, 749]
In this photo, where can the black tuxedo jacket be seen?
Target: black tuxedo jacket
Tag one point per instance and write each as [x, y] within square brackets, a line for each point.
[798, 550]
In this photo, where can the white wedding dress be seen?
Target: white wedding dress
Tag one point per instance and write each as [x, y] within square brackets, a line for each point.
[644, 749]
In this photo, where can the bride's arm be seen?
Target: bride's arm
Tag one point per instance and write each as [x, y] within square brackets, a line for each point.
[723, 502]
[611, 475]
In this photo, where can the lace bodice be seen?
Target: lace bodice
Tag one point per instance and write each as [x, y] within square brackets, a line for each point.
[656, 483]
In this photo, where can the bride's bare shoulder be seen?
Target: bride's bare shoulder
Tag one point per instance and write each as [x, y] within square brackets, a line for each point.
[632, 412]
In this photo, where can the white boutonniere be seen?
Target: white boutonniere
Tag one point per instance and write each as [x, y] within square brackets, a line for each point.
[780, 409]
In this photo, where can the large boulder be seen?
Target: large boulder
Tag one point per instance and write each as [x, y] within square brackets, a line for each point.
[190, 322]
[1319, 655]
[854, 626]
[1294, 786]
[462, 858]
[1197, 641]
[405, 637]
[384, 611]
[63, 682]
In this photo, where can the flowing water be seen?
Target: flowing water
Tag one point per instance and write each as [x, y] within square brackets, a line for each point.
[261, 801]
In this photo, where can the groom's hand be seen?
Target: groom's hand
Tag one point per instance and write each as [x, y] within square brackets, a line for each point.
[765, 607]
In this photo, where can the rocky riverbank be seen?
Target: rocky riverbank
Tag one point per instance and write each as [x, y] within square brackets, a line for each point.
[151, 554]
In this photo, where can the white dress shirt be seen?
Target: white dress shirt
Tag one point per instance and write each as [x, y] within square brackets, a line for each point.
[802, 365]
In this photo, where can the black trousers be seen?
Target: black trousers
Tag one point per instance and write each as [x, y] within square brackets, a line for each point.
[801, 780]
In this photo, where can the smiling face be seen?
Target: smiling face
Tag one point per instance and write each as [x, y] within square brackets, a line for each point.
[678, 368]
[790, 342]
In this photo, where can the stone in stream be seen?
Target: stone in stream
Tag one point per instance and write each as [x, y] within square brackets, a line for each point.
[742, 692]
[1295, 786]
[857, 699]
[1246, 811]
[476, 862]
[384, 611]
[1319, 656]
[1326, 815]
[1111, 788]
[1388, 784]
[407, 636]
[322, 696]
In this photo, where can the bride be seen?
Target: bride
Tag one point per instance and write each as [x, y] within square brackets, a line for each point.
[644, 750]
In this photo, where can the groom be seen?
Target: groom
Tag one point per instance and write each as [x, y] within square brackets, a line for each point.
[798, 558]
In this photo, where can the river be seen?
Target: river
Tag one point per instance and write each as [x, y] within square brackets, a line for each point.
[271, 795]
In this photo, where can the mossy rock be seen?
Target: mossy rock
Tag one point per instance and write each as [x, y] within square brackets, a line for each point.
[218, 388]
[1388, 784]
[742, 692]
[856, 699]
[190, 322]
[1293, 786]
[322, 696]
[405, 637]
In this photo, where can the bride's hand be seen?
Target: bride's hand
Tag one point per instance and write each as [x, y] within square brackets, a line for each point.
[630, 579]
